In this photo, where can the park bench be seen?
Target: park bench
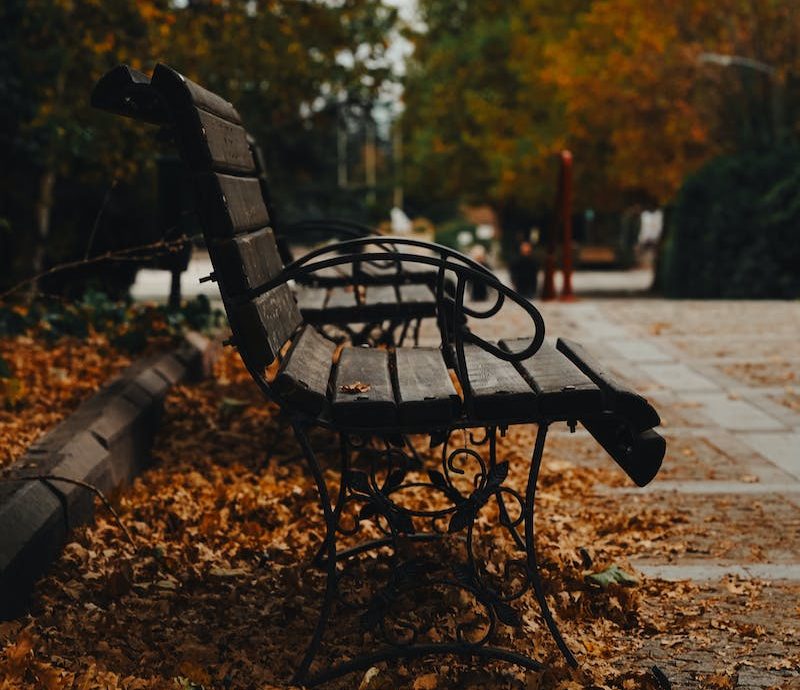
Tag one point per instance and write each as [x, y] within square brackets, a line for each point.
[457, 396]
[373, 301]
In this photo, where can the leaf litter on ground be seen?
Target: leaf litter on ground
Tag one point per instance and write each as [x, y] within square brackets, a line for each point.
[218, 593]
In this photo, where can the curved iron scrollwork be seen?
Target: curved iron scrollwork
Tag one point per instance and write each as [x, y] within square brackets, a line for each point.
[452, 268]
[383, 486]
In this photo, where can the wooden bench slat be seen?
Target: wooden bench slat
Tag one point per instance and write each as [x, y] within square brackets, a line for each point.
[640, 454]
[416, 294]
[498, 389]
[311, 300]
[340, 300]
[264, 324]
[305, 372]
[621, 398]
[425, 392]
[181, 91]
[417, 300]
[563, 389]
[230, 205]
[227, 147]
[246, 261]
[380, 295]
[374, 407]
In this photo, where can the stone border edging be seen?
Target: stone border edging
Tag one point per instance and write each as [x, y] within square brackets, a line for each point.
[105, 442]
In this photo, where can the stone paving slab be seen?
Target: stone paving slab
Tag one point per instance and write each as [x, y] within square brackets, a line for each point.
[678, 376]
[783, 449]
[711, 488]
[735, 414]
[639, 350]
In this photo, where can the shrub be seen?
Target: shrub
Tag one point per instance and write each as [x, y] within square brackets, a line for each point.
[447, 233]
[735, 230]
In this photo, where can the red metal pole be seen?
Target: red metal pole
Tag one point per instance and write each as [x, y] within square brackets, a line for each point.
[566, 218]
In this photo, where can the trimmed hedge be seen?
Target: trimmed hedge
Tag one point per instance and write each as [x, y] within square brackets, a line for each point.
[735, 232]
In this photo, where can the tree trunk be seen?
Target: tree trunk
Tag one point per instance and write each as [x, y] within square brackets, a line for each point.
[47, 183]
[44, 207]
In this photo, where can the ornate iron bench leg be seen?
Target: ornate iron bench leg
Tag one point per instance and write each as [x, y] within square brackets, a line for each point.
[330, 516]
[420, 573]
[530, 544]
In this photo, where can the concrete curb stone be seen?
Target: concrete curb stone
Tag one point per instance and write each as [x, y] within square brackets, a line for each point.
[105, 442]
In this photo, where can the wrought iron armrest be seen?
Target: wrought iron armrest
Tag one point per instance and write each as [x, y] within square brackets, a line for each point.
[339, 227]
[447, 261]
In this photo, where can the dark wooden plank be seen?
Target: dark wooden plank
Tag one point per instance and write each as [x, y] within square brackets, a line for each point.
[425, 392]
[311, 300]
[380, 295]
[127, 91]
[378, 304]
[341, 298]
[304, 373]
[181, 92]
[564, 390]
[229, 205]
[374, 407]
[341, 306]
[262, 325]
[498, 390]
[417, 300]
[246, 261]
[639, 454]
[226, 145]
[622, 399]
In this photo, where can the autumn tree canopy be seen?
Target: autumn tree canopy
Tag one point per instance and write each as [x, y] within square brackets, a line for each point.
[497, 87]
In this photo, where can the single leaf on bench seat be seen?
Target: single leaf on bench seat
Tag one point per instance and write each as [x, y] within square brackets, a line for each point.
[374, 407]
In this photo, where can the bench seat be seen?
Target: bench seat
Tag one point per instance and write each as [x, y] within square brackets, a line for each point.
[412, 388]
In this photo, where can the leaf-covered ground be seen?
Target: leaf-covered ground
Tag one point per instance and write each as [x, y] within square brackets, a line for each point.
[42, 382]
[54, 354]
[218, 590]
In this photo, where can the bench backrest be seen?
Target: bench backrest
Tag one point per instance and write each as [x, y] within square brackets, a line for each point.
[236, 224]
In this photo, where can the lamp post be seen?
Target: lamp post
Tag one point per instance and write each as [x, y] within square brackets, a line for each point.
[724, 60]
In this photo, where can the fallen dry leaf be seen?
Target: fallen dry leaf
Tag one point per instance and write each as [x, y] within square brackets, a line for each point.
[354, 388]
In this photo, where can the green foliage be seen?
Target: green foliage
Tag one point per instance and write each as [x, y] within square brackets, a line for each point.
[130, 326]
[734, 230]
[447, 233]
[613, 575]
